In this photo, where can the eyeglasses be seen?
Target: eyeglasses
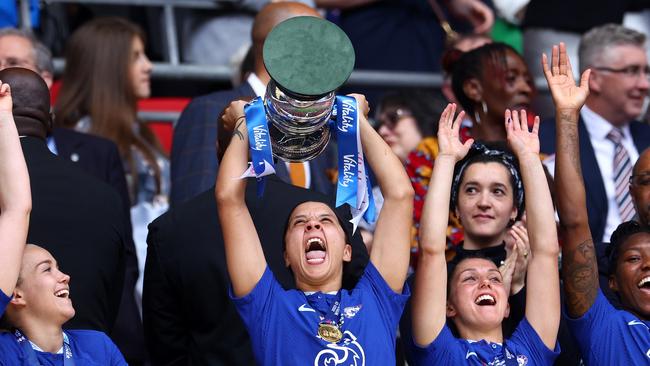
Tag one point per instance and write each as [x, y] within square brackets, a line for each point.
[633, 71]
[640, 179]
[392, 117]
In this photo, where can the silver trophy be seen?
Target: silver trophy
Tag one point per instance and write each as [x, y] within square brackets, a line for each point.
[298, 126]
[308, 58]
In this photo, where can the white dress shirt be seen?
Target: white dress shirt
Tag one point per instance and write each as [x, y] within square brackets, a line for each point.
[598, 128]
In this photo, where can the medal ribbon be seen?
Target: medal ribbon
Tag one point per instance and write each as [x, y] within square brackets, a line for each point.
[330, 314]
[260, 143]
[32, 360]
[353, 185]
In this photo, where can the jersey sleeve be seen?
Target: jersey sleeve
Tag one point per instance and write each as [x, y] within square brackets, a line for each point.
[526, 339]
[256, 305]
[589, 329]
[444, 350]
[114, 354]
[390, 302]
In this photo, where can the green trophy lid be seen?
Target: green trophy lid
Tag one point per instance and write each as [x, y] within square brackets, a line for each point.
[308, 56]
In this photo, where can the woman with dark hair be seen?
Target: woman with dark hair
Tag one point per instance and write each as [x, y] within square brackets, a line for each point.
[319, 323]
[106, 73]
[34, 294]
[404, 118]
[474, 294]
[486, 81]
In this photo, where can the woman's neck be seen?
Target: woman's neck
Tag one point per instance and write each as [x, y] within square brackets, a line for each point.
[475, 243]
[488, 130]
[494, 335]
[47, 337]
[332, 285]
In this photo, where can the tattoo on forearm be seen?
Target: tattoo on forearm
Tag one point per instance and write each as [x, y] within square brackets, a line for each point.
[237, 132]
[569, 140]
[580, 273]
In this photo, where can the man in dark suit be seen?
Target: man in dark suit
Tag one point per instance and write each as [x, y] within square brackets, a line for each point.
[194, 158]
[95, 155]
[610, 138]
[188, 316]
[76, 217]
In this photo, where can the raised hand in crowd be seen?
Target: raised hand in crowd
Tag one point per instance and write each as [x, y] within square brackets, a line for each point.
[579, 265]
[15, 196]
[543, 284]
[430, 291]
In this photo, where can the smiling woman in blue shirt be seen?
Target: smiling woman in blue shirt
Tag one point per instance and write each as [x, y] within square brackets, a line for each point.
[473, 294]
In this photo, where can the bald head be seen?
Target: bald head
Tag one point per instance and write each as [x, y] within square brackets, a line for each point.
[31, 101]
[268, 17]
[275, 13]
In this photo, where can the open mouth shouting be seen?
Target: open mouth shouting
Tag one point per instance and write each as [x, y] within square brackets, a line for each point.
[315, 251]
[485, 300]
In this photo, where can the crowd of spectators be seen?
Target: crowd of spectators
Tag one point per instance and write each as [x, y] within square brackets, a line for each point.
[513, 219]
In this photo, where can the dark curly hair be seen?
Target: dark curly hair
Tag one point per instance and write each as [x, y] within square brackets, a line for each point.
[471, 65]
[619, 237]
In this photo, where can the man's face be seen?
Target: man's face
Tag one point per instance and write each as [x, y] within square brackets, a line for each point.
[16, 51]
[620, 94]
[632, 277]
[640, 187]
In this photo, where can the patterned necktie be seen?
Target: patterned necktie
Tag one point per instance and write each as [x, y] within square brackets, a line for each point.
[622, 171]
[297, 174]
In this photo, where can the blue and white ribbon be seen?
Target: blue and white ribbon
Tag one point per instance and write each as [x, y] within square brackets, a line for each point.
[353, 185]
[260, 143]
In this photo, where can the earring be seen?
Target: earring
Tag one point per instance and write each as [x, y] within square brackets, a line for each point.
[477, 117]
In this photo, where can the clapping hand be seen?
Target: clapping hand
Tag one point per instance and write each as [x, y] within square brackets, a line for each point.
[448, 134]
[517, 254]
[566, 94]
[521, 141]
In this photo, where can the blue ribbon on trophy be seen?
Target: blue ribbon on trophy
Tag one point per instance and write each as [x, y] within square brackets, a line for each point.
[259, 141]
[308, 58]
[353, 185]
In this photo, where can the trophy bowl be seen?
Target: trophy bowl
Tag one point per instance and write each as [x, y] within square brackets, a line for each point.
[308, 58]
[299, 128]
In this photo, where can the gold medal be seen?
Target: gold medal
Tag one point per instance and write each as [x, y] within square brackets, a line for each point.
[329, 332]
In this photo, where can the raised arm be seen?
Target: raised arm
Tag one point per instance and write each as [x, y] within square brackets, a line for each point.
[543, 279]
[244, 255]
[430, 294]
[390, 249]
[579, 264]
[15, 196]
